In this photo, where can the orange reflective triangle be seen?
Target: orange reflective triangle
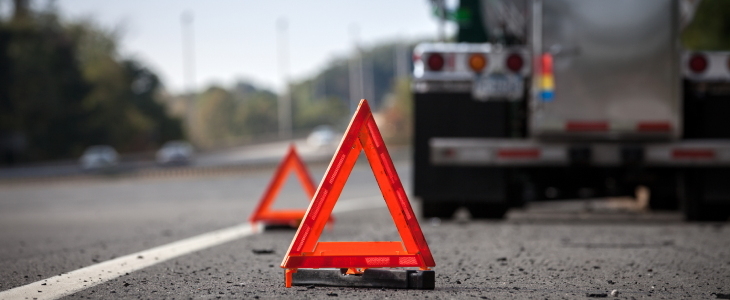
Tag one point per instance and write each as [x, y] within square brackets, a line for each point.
[306, 252]
[263, 212]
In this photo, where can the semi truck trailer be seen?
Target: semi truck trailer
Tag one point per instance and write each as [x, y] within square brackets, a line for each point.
[576, 99]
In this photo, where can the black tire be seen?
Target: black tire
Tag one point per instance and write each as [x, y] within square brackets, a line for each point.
[487, 210]
[693, 200]
[708, 213]
[442, 210]
[663, 197]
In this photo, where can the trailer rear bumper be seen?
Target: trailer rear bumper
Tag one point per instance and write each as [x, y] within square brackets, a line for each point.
[527, 152]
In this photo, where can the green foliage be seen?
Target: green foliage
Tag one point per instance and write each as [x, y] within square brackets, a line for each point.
[64, 88]
[232, 116]
[333, 81]
[42, 86]
[710, 28]
[311, 109]
[396, 119]
[240, 114]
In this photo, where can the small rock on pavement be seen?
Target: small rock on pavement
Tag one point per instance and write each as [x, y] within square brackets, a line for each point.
[332, 294]
[502, 259]
[614, 293]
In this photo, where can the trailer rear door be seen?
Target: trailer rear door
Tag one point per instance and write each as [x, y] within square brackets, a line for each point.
[615, 69]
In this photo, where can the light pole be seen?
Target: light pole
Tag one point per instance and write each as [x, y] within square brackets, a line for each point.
[356, 76]
[188, 47]
[284, 107]
[401, 60]
[441, 11]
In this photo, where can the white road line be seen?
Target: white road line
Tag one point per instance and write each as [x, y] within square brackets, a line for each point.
[84, 278]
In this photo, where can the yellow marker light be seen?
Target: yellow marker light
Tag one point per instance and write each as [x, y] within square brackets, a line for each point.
[547, 82]
[477, 62]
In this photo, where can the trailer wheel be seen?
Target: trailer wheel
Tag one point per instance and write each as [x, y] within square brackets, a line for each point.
[487, 210]
[694, 211]
[442, 210]
[693, 202]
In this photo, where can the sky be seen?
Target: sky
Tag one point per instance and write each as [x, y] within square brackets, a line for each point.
[238, 39]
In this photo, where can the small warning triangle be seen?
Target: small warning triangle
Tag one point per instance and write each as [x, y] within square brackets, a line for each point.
[263, 213]
[306, 252]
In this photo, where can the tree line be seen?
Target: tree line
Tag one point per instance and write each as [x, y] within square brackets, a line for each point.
[244, 112]
[64, 86]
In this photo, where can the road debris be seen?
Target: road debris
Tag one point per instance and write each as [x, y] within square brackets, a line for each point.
[597, 295]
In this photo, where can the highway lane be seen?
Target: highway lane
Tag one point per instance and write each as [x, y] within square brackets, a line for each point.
[475, 260]
[265, 154]
[47, 229]
[537, 253]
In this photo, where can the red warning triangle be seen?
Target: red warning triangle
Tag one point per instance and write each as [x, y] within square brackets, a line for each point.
[306, 252]
[263, 213]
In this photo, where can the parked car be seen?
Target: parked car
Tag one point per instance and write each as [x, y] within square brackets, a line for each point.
[175, 152]
[99, 157]
[321, 136]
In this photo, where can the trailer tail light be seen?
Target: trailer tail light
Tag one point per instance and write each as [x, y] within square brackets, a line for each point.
[653, 126]
[477, 62]
[586, 126]
[515, 62]
[435, 62]
[519, 153]
[698, 63]
[693, 154]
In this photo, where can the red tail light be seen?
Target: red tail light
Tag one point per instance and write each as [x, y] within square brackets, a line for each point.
[654, 126]
[514, 62]
[693, 153]
[698, 63]
[518, 153]
[547, 63]
[435, 62]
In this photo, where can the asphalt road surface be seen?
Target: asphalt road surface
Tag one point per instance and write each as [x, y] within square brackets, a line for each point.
[569, 250]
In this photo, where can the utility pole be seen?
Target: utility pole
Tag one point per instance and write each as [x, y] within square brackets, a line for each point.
[401, 60]
[188, 47]
[440, 6]
[285, 115]
[368, 81]
[356, 76]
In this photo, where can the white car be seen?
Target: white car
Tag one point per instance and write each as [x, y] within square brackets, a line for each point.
[175, 152]
[321, 136]
[99, 157]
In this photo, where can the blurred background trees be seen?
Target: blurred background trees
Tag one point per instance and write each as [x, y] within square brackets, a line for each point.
[242, 113]
[64, 86]
[710, 28]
